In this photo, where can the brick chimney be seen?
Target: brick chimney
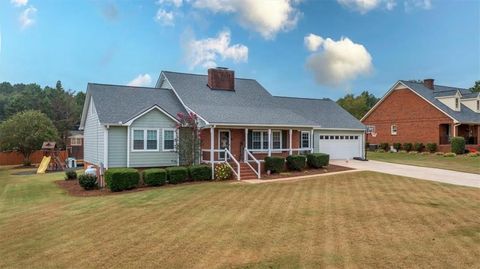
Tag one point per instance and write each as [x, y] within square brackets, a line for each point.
[221, 78]
[428, 82]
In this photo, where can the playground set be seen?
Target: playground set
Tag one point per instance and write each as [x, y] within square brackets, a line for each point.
[51, 158]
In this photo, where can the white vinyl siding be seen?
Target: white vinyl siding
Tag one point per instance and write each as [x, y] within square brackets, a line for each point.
[117, 147]
[93, 136]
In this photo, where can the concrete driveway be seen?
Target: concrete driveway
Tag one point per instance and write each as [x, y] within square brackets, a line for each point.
[426, 173]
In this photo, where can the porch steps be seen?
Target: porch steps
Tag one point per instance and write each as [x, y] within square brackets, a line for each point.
[246, 172]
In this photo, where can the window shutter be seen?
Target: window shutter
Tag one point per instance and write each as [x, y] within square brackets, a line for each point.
[284, 139]
[249, 139]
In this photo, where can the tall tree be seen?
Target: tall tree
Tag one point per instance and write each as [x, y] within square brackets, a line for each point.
[188, 142]
[25, 132]
[359, 105]
[476, 87]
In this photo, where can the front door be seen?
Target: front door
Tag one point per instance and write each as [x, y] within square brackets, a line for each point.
[223, 142]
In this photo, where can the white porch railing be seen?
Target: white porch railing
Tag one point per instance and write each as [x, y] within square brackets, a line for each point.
[227, 157]
[273, 151]
[248, 155]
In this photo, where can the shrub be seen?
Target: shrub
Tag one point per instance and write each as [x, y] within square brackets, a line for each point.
[385, 146]
[119, 179]
[431, 147]
[200, 172]
[402, 151]
[367, 145]
[407, 146]
[88, 182]
[449, 154]
[296, 162]
[473, 154]
[458, 145]
[317, 160]
[413, 152]
[397, 146]
[439, 153]
[275, 164]
[222, 171]
[155, 177]
[177, 175]
[418, 147]
[425, 153]
[70, 174]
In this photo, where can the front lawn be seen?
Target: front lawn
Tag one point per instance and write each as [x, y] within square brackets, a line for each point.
[462, 163]
[355, 220]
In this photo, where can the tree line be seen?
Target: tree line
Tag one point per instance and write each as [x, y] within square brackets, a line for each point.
[62, 107]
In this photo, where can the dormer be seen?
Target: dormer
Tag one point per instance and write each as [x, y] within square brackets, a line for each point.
[451, 99]
[472, 101]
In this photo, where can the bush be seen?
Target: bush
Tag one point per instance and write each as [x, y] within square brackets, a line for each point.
[385, 146]
[413, 152]
[397, 146]
[88, 182]
[449, 154]
[155, 177]
[439, 153]
[431, 147]
[177, 175]
[367, 145]
[458, 145]
[318, 160]
[473, 154]
[296, 162]
[275, 164]
[425, 153]
[407, 146]
[70, 174]
[200, 172]
[119, 179]
[418, 147]
[222, 171]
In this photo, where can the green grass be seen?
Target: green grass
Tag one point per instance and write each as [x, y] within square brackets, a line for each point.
[354, 220]
[462, 163]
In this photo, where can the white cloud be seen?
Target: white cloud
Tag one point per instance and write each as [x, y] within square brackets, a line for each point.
[165, 17]
[417, 4]
[206, 52]
[143, 80]
[267, 17]
[312, 42]
[27, 17]
[176, 3]
[362, 6]
[390, 4]
[19, 3]
[334, 63]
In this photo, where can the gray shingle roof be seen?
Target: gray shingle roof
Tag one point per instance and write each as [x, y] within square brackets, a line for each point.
[465, 115]
[250, 103]
[115, 103]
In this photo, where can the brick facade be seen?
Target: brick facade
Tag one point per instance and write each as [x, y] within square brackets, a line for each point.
[416, 120]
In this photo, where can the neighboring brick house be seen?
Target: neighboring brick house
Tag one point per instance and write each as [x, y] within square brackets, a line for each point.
[127, 126]
[424, 112]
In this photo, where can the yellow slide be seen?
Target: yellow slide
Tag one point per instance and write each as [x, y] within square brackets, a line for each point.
[44, 165]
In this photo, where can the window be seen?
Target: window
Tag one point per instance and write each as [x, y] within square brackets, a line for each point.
[276, 140]
[478, 105]
[265, 140]
[305, 139]
[257, 140]
[457, 103]
[393, 129]
[75, 141]
[145, 139]
[168, 139]
[370, 129]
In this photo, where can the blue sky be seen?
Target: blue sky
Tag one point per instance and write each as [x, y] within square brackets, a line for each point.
[355, 45]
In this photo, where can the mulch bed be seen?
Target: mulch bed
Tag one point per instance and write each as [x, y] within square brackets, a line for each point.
[329, 169]
[73, 188]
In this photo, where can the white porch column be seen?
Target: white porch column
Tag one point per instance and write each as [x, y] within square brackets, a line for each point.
[269, 142]
[311, 141]
[128, 146]
[212, 132]
[290, 133]
[245, 155]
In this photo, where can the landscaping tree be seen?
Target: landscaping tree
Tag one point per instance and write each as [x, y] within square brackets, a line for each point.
[476, 87]
[25, 132]
[188, 139]
[359, 105]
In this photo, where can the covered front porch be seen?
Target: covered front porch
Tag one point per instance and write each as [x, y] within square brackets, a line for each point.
[471, 133]
[244, 148]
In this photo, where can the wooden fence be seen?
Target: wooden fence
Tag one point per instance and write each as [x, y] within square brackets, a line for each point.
[14, 158]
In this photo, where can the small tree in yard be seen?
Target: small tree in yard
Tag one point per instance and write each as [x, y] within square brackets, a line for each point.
[188, 140]
[25, 132]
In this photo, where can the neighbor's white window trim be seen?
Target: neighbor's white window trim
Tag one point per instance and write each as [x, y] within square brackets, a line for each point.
[145, 131]
[78, 141]
[174, 139]
[393, 129]
[301, 139]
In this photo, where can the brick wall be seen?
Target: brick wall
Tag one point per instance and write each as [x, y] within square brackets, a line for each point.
[416, 119]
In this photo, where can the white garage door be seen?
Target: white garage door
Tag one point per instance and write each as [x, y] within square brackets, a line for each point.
[341, 146]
